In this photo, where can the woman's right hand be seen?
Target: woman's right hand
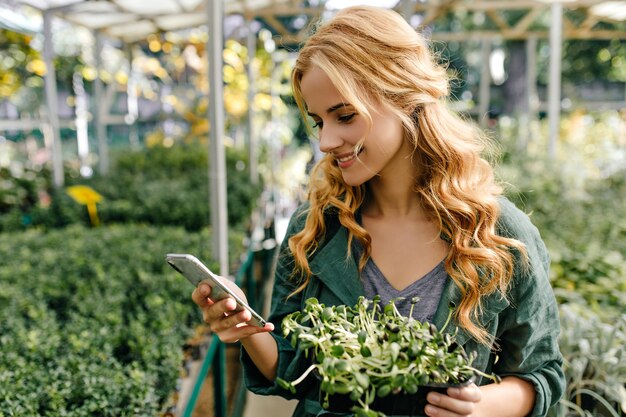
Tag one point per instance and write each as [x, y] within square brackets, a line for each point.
[228, 325]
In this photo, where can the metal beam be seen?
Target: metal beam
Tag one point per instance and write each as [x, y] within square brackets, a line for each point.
[500, 22]
[277, 25]
[524, 23]
[575, 33]
[485, 5]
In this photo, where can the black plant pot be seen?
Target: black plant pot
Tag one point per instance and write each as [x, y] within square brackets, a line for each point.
[393, 404]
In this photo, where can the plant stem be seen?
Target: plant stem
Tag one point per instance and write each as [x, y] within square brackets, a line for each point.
[304, 374]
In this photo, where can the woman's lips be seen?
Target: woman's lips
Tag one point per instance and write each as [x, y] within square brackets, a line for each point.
[345, 160]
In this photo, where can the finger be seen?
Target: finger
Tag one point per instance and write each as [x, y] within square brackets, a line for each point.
[231, 286]
[232, 320]
[218, 310]
[433, 411]
[200, 295]
[469, 393]
[441, 405]
[234, 334]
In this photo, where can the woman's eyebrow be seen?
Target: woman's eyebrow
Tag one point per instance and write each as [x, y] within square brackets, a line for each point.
[330, 109]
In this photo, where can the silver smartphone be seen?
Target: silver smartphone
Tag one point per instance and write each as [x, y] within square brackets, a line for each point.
[195, 272]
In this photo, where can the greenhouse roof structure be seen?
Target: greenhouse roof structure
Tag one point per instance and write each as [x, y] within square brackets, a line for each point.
[133, 20]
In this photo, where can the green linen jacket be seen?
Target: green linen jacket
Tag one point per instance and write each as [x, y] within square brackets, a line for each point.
[525, 325]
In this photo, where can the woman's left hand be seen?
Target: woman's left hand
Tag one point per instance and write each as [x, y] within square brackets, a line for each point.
[460, 402]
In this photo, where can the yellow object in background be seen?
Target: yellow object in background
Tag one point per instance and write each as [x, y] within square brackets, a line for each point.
[86, 196]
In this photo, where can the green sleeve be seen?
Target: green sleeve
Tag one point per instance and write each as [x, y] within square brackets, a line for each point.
[529, 330]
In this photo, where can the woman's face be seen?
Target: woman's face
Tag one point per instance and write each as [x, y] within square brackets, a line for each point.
[340, 128]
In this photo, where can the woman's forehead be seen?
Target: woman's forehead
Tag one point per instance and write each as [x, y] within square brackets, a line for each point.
[318, 90]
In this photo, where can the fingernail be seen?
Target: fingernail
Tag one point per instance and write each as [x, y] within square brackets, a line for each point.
[434, 398]
[204, 290]
[429, 410]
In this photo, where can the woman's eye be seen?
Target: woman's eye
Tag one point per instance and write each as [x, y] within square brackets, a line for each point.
[318, 124]
[347, 117]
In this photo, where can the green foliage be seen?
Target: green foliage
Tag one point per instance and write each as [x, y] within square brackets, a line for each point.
[20, 65]
[20, 191]
[585, 231]
[162, 185]
[92, 321]
[28, 199]
[595, 363]
[156, 185]
[589, 60]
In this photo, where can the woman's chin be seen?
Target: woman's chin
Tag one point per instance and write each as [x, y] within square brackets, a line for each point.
[355, 180]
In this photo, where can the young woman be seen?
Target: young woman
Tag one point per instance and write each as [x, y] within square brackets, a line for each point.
[403, 205]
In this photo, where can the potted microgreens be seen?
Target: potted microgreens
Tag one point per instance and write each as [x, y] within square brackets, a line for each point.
[372, 360]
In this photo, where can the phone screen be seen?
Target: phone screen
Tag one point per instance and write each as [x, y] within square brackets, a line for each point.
[196, 272]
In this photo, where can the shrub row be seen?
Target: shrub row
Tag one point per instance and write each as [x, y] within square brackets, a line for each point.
[92, 320]
[156, 185]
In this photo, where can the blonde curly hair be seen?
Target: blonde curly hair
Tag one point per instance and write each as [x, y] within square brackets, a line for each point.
[372, 56]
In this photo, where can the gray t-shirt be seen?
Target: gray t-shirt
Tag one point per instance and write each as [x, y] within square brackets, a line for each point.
[428, 288]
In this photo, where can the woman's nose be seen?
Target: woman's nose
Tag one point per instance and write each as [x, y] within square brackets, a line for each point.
[329, 140]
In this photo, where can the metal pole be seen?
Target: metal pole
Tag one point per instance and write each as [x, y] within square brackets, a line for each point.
[82, 124]
[217, 160]
[554, 89]
[219, 380]
[252, 142]
[100, 110]
[485, 83]
[527, 119]
[274, 139]
[531, 75]
[407, 9]
[52, 101]
[132, 100]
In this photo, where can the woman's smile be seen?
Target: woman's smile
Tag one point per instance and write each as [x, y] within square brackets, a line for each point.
[346, 160]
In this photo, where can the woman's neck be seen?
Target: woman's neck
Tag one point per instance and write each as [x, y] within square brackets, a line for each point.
[392, 198]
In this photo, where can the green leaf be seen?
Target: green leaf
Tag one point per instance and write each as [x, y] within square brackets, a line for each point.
[362, 379]
[383, 390]
[365, 351]
[337, 351]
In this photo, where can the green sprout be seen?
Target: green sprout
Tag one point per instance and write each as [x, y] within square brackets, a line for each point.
[371, 351]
